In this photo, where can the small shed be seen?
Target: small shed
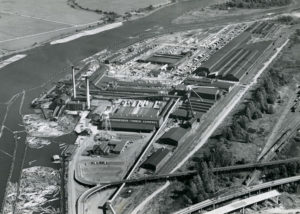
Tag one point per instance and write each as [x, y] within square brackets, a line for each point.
[118, 146]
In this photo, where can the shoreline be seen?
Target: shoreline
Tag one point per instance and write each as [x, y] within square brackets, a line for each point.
[87, 33]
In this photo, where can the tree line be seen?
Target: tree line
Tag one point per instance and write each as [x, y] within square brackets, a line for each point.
[251, 4]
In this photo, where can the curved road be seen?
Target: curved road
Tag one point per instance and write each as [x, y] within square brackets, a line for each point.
[237, 194]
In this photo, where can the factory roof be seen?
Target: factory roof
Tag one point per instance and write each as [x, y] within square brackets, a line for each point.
[202, 81]
[170, 59]
[198, 81]
[136, 89]
[223, 85]
[156, 157]
[118, 145]
[136, 113]
[221, 56]
[174, 134]
[182, 113]
[132, 126]
[207, 90]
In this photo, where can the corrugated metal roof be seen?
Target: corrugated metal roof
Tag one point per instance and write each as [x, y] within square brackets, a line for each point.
[220, 56]
[157, 157]
[207, 90]
[223, 85]
[132, 126]
[174, 134]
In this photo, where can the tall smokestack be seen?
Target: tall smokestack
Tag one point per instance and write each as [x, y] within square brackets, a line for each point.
[74, 84]
[87, 92]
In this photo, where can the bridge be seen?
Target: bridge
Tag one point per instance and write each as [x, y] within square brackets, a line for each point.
[241, 204]
[238, 193]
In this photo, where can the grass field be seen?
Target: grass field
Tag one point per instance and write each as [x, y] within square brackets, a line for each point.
[118, 6]
[25, 23]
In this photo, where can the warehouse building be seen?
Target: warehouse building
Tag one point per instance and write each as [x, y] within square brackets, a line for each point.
[173, 137]
[205, 92]
[210, 93]
[172, 60]
[235, 61]
[216, 61]
[139, 115]
[198, 106]
[181, 114]
[156, 160]
[203, 81]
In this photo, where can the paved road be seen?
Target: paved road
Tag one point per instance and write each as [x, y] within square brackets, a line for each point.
[237, 194]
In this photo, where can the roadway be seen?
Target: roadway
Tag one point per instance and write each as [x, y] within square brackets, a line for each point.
[241, 204]
[240, 192]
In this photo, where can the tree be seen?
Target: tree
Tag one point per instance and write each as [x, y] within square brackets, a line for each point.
[270, 109]
[257, 115]
[271, 98]
[260, 98]
[227, 133]
[283, 171]
[207, 181]
[248, 112]
[202, 195]
[237, 130]
[243, 121]
[248, 138]
[187, 200]
[292, 168]
[269, 85]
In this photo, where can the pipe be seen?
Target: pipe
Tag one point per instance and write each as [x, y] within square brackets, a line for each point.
[74, 83]
[87, 92]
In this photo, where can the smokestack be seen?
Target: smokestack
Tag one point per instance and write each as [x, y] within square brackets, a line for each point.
[74, 84]
[87, 92]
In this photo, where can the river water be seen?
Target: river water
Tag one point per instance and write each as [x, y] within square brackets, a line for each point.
[24, 80]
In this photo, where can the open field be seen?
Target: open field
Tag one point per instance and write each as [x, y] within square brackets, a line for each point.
[48, 11]
[38, 21]
[118, 6]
